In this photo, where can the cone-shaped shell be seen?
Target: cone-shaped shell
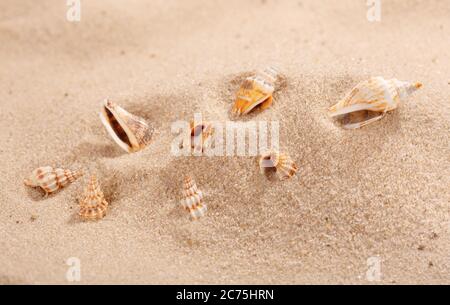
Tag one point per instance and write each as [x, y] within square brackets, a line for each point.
[284, 166]
[52, 179]
[93, 205]
[254, 91]
[370, 100]
[130, 132]
[193, 199]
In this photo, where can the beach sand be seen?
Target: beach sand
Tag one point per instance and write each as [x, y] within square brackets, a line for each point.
[381, 192]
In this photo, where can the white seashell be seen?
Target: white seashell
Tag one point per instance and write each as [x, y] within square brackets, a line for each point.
[256, 91]
[279, 162]
[93, 206]
[370, 100]
[51, 179]
[192, 199]
[130, 132]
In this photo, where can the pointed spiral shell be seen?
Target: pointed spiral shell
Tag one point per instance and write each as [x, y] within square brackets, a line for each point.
[193, 199]
[52, 179]
[370, 100]
[93, 205]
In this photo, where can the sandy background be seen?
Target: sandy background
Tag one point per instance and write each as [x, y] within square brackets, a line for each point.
[379, 191]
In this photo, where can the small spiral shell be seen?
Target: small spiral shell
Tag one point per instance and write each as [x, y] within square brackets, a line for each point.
[193, 199]
[52, 179]
[93, 205]
[284, 166]
[201, 134]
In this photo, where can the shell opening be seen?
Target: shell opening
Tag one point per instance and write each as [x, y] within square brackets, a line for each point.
[358, 119]
[117, 128]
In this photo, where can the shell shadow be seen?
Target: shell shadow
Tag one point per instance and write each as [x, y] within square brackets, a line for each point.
[36, 194]
[88, 151]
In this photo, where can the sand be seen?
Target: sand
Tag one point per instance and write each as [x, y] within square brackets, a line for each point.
[382, 191]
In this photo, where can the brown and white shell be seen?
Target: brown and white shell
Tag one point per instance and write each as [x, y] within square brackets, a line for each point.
[281, 163]
[370, 100]
[93, 205]
[256, 91]
[193, 199]
[129, 131]
[52, 179]
[201, 134]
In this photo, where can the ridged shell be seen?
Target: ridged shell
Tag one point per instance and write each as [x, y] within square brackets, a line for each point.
[129, 131]
[52, 179]
[256, 90]
[93, 205]
[193, 199]
[370, 100]
[201, 135]
[284, 166]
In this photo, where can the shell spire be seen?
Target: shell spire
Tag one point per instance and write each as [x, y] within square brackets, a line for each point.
[193, 199]
[129, 131]
[284, 166]
[93, 205]
[370, 100]
[256, 91]
[52, 179]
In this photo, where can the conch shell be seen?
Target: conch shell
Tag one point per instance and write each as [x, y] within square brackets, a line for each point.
[130, 132]
[370, 100]
[256, 90]
[51, 179]
[93, 206]
[281, 163]
[193, 199]
[201, 135]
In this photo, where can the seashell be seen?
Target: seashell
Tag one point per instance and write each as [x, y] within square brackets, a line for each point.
[93, 206]
[193, 199]
[370, 100]
[256, 91]
[281, 163]
[51, 179]
[201, 135]
[130, 132]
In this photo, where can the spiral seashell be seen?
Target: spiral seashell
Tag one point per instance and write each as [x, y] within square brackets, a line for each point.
[256, 91]
[370, 100]
[193, 199]
[279, 162]
[93, 205]
[51, 179]
[130, 132]
[200, 136]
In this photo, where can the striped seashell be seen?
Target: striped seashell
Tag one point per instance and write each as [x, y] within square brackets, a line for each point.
[281, 163]
[256, 91]
[200, 136]
[193, 199]
[93, 205]
[370, 100]
[130, 132]
[51, 179]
